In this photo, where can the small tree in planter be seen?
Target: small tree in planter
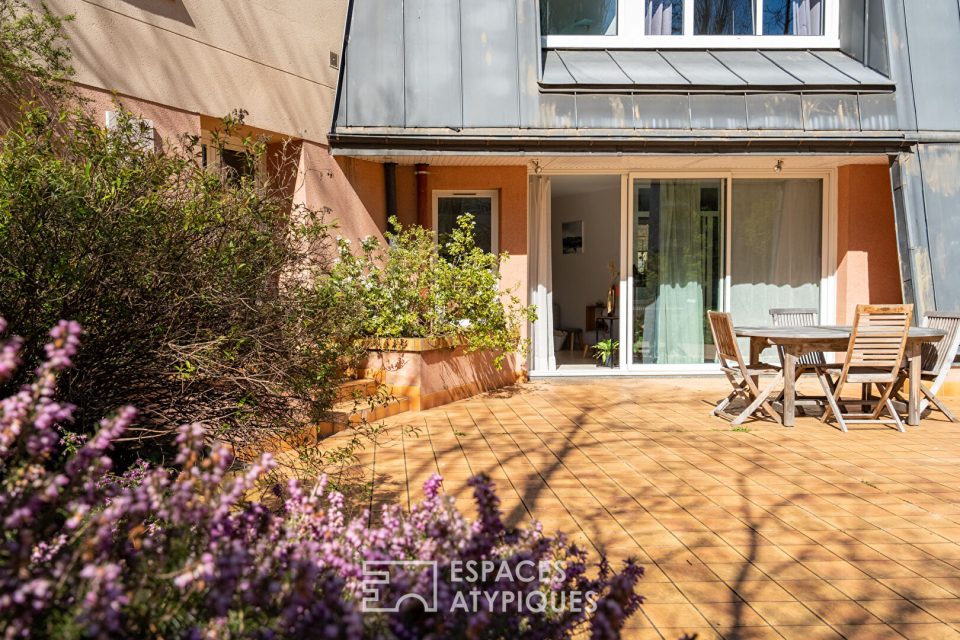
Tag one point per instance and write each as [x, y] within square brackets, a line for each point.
[415, 287]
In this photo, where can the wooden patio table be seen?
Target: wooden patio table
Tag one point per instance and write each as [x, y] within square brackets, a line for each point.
[797, 341]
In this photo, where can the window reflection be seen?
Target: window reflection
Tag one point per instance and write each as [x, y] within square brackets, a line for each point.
[723, 17]
[578, 17]
[793, 17]
[664, 18]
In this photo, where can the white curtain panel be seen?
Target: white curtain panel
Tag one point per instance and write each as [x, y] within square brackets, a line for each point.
[776, 248]
[659, 17]
[541, 274]
[679, 326]
[807, 17]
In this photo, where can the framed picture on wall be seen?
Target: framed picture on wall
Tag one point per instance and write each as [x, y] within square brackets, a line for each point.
[571, 235]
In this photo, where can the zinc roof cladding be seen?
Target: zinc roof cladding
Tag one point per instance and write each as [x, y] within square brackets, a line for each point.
[735, 70]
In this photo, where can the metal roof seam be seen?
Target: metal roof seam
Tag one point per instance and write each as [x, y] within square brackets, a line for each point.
[726, 66]
[833, 66]
[781, 67]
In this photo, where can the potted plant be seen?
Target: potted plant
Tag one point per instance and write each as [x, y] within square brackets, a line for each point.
[605, 350]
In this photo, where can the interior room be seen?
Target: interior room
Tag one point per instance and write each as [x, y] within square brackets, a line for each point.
[585, 214]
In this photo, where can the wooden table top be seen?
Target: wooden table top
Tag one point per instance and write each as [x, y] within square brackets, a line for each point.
[825, 333]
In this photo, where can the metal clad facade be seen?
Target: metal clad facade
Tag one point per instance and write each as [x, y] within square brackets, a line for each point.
[593, 68]
[432, 50]
[825, 112]
[604, 111]
[647, 68]
[662, 111]
[718, 111]
[933, 30]
[374, 73]
[755, 68]
[699, 67]
[809, 69]
[774, 111]
[490, 81]
[940, 169]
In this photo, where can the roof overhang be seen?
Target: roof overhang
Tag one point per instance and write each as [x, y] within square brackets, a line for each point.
[551, 142]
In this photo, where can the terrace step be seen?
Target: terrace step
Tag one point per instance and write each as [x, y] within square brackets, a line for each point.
[352, 412]
[360, 388]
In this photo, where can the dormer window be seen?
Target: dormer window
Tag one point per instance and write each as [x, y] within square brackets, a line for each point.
[701, 24]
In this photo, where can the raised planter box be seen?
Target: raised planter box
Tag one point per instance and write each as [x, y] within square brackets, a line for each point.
[433, 372]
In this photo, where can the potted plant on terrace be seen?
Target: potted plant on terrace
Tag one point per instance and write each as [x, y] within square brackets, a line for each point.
[605, 350]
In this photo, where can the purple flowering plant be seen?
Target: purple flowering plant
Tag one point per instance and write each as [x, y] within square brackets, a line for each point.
[87, 551]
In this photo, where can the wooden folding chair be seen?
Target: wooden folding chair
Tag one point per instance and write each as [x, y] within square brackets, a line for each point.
[874, 357]
[799, 318]
[744, 379]
[808, 362]
[937, 358]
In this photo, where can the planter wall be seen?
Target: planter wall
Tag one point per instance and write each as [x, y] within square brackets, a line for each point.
[431, 373]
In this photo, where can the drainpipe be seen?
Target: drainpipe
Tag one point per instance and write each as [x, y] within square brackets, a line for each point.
[424, 215]
[390, 189]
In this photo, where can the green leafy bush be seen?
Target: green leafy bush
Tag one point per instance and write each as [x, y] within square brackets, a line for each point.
[34, 57]
[415, 287]
[194, 285]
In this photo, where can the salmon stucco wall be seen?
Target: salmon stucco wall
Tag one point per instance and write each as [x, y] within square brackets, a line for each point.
[169, 123]
[511, 182]
[867, 262]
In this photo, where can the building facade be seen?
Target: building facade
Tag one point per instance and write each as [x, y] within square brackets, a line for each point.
[641, 161]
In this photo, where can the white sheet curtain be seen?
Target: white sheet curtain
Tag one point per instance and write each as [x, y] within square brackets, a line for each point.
[541, 274]
[679, 316]
[659, 18]
[776, 247]
[807, 17]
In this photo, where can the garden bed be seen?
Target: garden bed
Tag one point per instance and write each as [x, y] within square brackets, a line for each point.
[434, 372]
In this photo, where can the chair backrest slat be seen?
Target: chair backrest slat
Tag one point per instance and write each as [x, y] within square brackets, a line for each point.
[937, 355]
[725, 340]
[798, 318]
[879, 338]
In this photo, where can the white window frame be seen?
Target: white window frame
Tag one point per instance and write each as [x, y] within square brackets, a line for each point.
[630, 33]
[494, 196]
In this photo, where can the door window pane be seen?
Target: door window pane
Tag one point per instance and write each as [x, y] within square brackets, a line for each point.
[792, 17]
[578, 17]
[677, 268]
[664, 18]
[775, 247]
[449, 210]
[723, 17]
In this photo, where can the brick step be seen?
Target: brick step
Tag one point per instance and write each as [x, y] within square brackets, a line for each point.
[360, 388]
[352, 412]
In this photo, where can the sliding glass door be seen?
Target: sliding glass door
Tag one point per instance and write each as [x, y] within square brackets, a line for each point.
[689, 254]
[677, 270]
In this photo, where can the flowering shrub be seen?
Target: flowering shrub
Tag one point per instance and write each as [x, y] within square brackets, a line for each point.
[162, 553]
[415, 287]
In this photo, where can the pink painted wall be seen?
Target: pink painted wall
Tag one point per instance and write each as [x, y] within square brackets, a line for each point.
[511, 182]
[868, 268]
[169, 123]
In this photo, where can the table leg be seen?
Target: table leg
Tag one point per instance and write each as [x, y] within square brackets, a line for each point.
[789, 389]
[913, 411]
[756, 347]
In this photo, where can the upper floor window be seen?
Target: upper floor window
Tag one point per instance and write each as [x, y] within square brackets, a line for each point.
[690, 23]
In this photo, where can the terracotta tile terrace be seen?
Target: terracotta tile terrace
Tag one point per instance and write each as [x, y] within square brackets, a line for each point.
[765, 532]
